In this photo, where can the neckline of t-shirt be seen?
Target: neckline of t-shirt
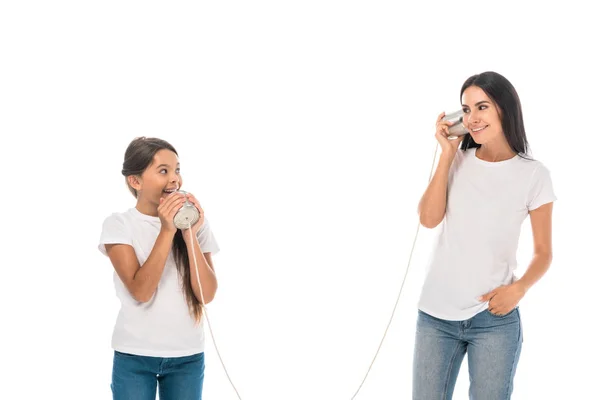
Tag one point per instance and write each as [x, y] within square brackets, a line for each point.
[492, 163]
[141, 215]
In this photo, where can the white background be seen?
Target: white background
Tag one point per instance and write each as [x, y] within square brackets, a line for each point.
[306, 131]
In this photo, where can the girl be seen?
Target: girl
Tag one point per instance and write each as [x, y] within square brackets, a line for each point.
[158, 337]
[482, 193]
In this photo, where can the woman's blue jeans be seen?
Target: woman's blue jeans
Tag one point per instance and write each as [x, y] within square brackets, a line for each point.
[492, 344]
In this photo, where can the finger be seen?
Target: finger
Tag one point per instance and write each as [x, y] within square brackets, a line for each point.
[194, 201]
[175, 207]
[192, 198]
[486, 297]
[441, 136]
[197, 204]
[441, 116]
[175, 198]
[495, 310]
[167, 203]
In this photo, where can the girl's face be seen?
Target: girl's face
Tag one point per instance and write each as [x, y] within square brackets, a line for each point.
[482, 117]
[160, 178]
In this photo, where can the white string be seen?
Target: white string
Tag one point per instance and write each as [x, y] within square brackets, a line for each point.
[205, 311]
[401, 287]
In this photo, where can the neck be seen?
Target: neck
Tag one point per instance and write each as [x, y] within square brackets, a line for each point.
[496, 151]
[145, 207]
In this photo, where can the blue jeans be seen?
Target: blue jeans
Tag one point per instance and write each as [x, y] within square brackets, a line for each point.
[136, 377]
[493, 344]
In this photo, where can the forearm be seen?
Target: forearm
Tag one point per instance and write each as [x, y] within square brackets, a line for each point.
[207, 276]
[432, 206]
[535, 271]
[147, 277]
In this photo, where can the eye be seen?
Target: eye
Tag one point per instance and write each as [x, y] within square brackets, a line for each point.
[482, 107]
[465, 110]
[163, 171]
[177, 171]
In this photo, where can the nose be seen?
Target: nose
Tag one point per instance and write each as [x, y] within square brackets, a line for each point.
[174, 178]
[472, 117]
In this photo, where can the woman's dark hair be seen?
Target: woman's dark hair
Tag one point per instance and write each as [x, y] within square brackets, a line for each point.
[503, 93]
[138, 156]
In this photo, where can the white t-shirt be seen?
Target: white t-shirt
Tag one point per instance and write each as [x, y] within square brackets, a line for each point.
[162, 327]
[476, 249]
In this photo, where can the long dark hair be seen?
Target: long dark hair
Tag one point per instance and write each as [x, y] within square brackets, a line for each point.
[138, 156]
[503, 93]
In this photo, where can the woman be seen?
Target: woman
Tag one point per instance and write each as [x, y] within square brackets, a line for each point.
[481, 193]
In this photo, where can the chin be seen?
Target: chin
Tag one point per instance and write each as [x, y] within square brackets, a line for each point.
[476, 139]
[481, 138]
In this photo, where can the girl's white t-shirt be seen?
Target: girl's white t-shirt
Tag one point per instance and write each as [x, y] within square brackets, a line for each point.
[476, 248]
[163, 326]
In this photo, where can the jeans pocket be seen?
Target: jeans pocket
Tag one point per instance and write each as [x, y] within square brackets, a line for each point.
[125, 355]
[508, 314]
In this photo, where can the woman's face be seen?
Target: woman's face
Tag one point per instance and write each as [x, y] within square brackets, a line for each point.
[482, 117]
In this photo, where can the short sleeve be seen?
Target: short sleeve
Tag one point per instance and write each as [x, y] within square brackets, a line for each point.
[114, 231]
[456, 163]
[541, 190]
[207, 240]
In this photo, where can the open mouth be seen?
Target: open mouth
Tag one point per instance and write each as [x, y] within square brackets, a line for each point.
[169, 191]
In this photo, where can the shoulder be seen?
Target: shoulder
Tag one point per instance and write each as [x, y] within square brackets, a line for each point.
[205, 228]
[460, 157]
[207, 238]
[115, 217]
[115, 230]
[117, 220]
[536, 169]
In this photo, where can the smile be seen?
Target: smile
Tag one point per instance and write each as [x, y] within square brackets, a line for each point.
[477, 130]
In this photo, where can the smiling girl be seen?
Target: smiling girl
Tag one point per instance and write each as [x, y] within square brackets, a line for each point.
[158, 338]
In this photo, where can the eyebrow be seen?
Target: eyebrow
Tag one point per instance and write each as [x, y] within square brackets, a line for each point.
[478, 103]
[165, 165]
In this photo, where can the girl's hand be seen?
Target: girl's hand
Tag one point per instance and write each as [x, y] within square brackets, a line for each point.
[167, 209]
[196, 227]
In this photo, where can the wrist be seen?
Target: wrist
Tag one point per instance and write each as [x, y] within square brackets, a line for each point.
[446, 160]
[167, 232]
[186, 235]
[522, 285]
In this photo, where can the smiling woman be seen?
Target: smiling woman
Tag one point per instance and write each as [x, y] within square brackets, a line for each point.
[493, 117]
[482, 193]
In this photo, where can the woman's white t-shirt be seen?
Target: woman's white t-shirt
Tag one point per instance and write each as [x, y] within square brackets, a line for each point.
[476, 249]
[163, 326]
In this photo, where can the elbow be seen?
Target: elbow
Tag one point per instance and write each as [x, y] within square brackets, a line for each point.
[429, 219]
[429, 222]
[546, 256]
[142, 297]
[209, 297]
